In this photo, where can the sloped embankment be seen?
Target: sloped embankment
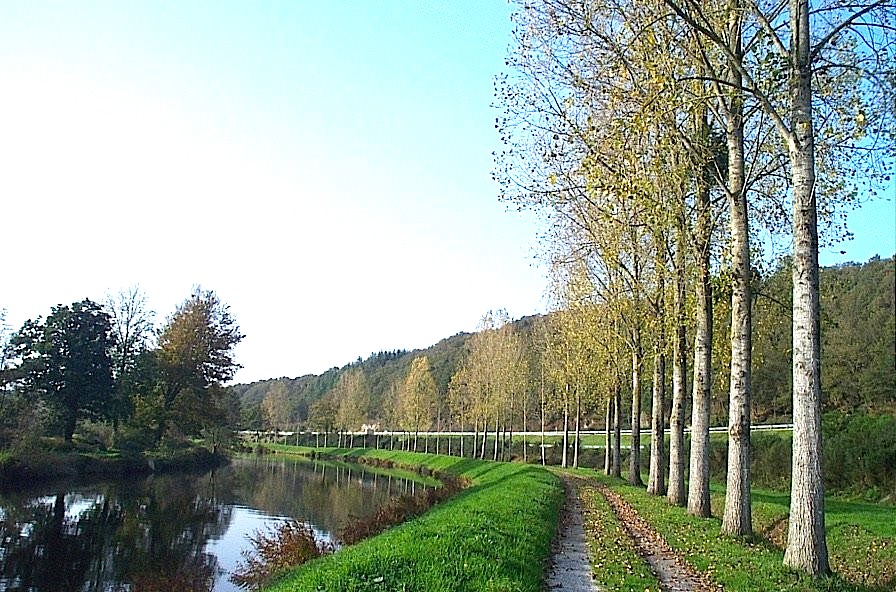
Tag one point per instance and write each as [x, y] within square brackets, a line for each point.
[494, 535]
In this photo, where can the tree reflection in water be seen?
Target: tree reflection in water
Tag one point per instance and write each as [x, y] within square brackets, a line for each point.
[172, 532]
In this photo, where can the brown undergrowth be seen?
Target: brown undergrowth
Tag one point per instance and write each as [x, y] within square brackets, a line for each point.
[396, 511]
[289, 543]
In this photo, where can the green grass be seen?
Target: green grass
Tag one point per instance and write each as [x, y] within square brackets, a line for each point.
[301, 454]
[484, 539]
[493, 536]
[861, 542]
[615, 563]
[861, 536]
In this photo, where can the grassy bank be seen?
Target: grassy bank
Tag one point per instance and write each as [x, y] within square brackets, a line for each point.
[24, 468]
[861, 542]
[495, 535]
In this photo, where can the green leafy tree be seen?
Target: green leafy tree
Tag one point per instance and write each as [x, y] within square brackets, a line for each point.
[276, 406]
[352, 397]
[65, 360]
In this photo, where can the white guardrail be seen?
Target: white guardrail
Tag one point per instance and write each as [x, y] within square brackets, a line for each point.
[717, 429]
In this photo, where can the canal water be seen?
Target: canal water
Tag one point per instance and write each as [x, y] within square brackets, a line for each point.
[175, 532]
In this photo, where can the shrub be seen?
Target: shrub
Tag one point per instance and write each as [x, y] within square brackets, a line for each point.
[860, 454]
[131, 440]
[291, 543]
[95, 435]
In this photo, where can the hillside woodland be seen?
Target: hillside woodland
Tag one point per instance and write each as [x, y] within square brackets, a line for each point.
[858, 369]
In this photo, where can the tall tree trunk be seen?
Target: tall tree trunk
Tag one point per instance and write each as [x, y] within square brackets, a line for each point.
[806, 545]
[634, 476]
[563, 462]
[737, 519]
[677, 494]
[497, 437]
[575, 451]
[525, 435]
[484, 438]
[543, 460]
[656, 479]
[510, 431]
[438, 426]
[608, 446]
[698, 477]
[617, 427]
[475, 437]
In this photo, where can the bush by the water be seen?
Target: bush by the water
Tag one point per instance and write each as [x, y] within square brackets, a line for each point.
[290, 544]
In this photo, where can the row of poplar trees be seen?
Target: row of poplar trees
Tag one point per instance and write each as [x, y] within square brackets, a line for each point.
[659, 138]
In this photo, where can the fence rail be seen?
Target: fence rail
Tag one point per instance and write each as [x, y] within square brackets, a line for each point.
[647, 431]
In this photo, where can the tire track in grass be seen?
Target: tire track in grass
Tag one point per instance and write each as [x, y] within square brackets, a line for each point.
[674, 573]
[615, 561]
[570, 569]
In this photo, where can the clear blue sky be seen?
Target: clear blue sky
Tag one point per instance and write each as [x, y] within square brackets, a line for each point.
[324, 166]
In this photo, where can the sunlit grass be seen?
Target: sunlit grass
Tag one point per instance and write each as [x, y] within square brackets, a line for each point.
[495, 535]
[615, 563]
[861, 542]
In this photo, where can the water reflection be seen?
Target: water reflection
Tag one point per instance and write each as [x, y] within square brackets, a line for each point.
[181, 533]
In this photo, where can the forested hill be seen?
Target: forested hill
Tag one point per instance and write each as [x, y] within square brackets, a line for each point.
[858, 354]
[286, 401]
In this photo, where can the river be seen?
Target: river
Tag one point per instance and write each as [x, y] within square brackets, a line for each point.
[174, 532]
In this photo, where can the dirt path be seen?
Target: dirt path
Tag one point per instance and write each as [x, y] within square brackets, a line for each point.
[675, 574]
[570, 569]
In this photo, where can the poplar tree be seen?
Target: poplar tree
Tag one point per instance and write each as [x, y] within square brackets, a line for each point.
[834, 60]
[417, 398]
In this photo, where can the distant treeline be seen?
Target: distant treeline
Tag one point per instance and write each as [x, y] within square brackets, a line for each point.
[858, 358]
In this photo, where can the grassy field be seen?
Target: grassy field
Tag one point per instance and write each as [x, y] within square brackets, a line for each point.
[495, 535]
[861, 542]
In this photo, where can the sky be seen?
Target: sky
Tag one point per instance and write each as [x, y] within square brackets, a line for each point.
[324, 167]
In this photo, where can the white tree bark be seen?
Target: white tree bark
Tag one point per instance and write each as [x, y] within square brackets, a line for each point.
[564, 462]
[737, 519]
[608, 448]
[698, 481]
[677, 494]
[576, 442]
[656, 479]
[634, 475]
[617, 428]
[806, 545]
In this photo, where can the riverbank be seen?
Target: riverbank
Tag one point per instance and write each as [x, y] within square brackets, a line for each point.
[476, 536]
[494, 535]
[23, 469]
